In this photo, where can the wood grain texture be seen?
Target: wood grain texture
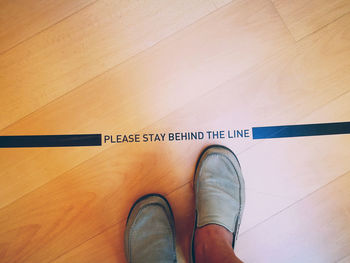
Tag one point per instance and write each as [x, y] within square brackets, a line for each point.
[85, 45]
[134, 95]
[279, 187]
[345, 259]
[221, 3]
[303, 165]
[315, 229]
[305, 17]
[106, 246]
[22, 19]
[235, 68]
[114, 252]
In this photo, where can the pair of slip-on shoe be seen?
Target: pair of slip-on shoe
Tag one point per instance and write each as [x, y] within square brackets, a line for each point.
[219, 195]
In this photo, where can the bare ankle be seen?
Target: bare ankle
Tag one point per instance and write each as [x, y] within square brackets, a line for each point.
[211, 232]
[213, 243]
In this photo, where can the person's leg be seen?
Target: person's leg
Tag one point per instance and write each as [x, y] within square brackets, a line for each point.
[150, 231]
[213, 243]
[219, 194]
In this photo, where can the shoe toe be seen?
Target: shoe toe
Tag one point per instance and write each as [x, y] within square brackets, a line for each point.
[150, 233]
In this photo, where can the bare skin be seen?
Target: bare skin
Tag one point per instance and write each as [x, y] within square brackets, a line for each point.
[213, 243]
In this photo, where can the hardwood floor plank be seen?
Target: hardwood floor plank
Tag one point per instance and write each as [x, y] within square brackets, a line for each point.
[315, 229]
[57, 217]
[22, 19]
[263, 79]
[270, 197]
[305, 17]
[106, 246]
[270, 188]
[345, 259]
[135, 94]
[303, 83]
[85, 45]
[96, 248]
[182, 205]
[221, 3]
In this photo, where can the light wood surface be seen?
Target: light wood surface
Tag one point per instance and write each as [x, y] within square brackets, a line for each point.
[85, 45]
[22, 19]
[345, 260]
[116, 67]
[305, 17]
[144, 89]
[316, 229]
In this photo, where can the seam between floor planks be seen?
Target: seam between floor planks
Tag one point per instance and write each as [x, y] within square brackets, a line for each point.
[143, 128]
[315, 31]
[311, 33]
[97, 76]
[114, 66]
[185, 184]
[164, 117]
[123, 220]
[47, 28]
[126, 61]
[284, 23]
[294, 203]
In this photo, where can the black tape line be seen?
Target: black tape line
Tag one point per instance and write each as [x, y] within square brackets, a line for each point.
[51, 140]
[270, 132]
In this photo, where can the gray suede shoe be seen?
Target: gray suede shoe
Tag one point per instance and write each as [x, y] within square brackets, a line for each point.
[150, 231]
[219, 191]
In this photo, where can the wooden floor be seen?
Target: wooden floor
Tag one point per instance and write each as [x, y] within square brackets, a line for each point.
[121, 67]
